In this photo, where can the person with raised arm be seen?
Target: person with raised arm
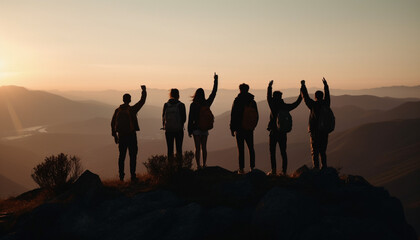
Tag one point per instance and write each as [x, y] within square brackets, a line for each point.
[280, 124]
[200, 121]
[321, 122]
[124, 125]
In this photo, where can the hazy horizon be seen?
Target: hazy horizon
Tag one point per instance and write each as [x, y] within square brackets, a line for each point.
[97, 45]
[207, 89]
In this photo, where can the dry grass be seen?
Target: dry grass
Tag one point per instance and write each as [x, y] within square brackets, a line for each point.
[144, 183]
[12, 208]
[17, 206]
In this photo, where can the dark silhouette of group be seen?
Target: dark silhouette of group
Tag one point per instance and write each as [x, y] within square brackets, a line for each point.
[244, 119]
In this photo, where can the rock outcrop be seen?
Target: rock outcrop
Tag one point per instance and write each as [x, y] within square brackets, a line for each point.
[214, 203]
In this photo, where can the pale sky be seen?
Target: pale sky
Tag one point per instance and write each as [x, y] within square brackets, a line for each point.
[100, 44]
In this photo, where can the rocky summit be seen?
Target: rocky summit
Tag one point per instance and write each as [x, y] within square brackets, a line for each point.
[214, 203]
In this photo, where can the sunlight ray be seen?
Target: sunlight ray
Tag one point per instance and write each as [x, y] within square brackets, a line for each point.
[15, 118]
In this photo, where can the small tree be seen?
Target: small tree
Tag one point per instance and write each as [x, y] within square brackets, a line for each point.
[158, 166]
[57, 171]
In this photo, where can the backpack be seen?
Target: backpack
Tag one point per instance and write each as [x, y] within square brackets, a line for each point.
[172, 118]
[205, 118]
[326, 119]
[284, 121]
[249, 118]
[123, 120]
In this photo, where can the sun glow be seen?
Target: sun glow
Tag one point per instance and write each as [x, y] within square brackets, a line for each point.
[1, 69]
[7, 75]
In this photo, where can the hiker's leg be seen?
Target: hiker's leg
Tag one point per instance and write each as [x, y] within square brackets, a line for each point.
[273, 144]
[204, 148]
[197, 144]
[315, 150]
[250, 143]
[323, 149]
[122, 147]
[283, 146]
[178, 142]
[133, 150]
[240, 143]
[170, 145]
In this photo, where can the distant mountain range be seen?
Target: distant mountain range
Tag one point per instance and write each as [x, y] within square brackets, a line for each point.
[224, 99]
[21, 108]
[347, 115]
[10, 188]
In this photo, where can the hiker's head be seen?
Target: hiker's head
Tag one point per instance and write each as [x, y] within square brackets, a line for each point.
[277, 95]
[199, 95]
[319, 95]
[174, 93]
[243, 88]
[126, 98]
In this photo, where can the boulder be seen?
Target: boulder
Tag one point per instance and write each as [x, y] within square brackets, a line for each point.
[282, 214]
[87, 189]
[246, 189]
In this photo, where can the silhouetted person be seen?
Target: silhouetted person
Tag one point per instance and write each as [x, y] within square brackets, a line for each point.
[318, 133]
[200, 120]
[124, 125]
[280, 124]
[244, 119]
[173, 119]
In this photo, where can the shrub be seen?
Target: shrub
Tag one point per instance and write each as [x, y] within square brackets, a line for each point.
[158, 166]
[57, 171]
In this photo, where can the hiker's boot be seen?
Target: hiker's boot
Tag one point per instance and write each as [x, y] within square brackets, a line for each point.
[134, 178]
[284, 172]
[273, 172]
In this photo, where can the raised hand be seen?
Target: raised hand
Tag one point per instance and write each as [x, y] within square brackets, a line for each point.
[271, 83]
[143, 87]
[324, 81]
[302, 82]
[216, 77]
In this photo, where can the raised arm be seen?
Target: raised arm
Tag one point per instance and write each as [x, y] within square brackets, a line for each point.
[270, 93]
[305, 95]
[295, 104]
[142, 101]
[213, 92]
[327, 98]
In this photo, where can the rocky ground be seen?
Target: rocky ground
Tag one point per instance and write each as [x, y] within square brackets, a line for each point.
[215, 203]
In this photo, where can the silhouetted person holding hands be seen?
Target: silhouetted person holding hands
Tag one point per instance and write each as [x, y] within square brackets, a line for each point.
[200, 120]
[280, 124]
[321, 122]
[124, 125]
[173, 119]
[244, 119]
